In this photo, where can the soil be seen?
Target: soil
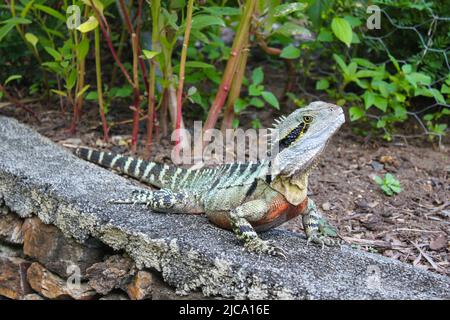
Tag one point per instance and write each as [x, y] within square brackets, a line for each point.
[412, 226]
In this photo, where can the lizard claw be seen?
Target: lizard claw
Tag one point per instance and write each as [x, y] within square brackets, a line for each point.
[261, 246]
[322, 240]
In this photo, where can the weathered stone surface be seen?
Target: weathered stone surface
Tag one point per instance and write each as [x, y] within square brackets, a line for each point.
[49, 246]
[32, 296]
[36, 176]
[13, 277]
[52, 286]
[141, 286]
[113, 273]
[11, 228]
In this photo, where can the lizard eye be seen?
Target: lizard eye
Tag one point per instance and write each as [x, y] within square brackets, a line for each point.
[307, 119]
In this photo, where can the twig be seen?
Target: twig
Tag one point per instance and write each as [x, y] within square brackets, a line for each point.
[427, 257]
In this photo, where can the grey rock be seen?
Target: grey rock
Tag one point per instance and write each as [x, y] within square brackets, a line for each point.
[39, 177]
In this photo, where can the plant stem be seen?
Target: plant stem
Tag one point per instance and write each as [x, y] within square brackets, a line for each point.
[98, 71]
[235, 88]
[155, 11]
[241, 36]
[136, 101]
[187, 33]
[120, 49]
[105, 27]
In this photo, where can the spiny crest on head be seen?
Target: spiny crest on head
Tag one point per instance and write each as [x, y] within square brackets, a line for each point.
[277, 122]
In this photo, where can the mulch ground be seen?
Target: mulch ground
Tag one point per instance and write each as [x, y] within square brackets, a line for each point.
[413, 226]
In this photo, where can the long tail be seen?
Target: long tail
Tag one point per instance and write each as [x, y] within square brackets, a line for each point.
[156, 174]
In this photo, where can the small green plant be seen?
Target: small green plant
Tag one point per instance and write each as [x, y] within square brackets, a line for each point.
[389, 184]
[256, 92]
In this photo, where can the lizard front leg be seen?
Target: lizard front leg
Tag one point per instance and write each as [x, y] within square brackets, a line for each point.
[240, 217]
[317, 228]
[164, 200]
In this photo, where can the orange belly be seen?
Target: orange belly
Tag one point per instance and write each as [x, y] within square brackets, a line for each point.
[280, 211]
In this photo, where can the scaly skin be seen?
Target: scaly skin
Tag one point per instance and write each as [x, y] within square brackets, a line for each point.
[244, 198]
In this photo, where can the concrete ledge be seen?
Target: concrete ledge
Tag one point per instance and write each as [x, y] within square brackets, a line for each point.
[40, 178]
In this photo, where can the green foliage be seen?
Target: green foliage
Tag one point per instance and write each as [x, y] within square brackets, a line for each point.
[389, 184]
[382, 77]
[258, 96]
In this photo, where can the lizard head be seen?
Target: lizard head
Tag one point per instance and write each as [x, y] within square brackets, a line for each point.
[300, 138]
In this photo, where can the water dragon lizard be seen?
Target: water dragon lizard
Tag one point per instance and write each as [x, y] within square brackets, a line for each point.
[243, 197]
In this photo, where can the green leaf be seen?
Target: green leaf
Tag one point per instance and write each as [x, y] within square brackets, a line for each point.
[55, 54]
[16, 20]
[257, 102]
[202, 21]
[353, 21]
[235, 123]
[369, 99]
[325, 35]
[12, 78]
[5, 30]
[82, 91]
[83, 48]
[255, 90]
[380, 102]
[271, 99]
[341, 63]
[223, 11]
[60, 93]
[92, 96]
[257, 76]
[387, 190]
[342, 30]
[322, 84]
[149, 54]
[416, 78]
[198, 64]
[445, 89]
[291, 29]
[31, 38]
[239, 105]
[290, 52]
[394, 62]
[256, 124]
[89, 25]
[355, 113]
[97, 4]
[288, 8]
[72, 79]
[51, 12]
[378, 180]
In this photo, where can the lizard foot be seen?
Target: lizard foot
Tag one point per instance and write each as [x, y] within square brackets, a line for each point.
[322, 240]
[264, 247]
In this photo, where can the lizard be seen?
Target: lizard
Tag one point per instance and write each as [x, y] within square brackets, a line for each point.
[243, 197]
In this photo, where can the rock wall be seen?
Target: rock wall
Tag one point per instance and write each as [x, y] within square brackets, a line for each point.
[38, 262]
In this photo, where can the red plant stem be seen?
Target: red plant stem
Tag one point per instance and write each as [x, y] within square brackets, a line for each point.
[104, 26]
[17, 102]
[187, 33]
[230, 69]
[235, 89]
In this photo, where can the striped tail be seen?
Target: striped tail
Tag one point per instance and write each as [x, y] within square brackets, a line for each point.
[156, 174]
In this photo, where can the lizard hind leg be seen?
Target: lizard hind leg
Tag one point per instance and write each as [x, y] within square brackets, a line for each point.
[163, 200]
[245, 232]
